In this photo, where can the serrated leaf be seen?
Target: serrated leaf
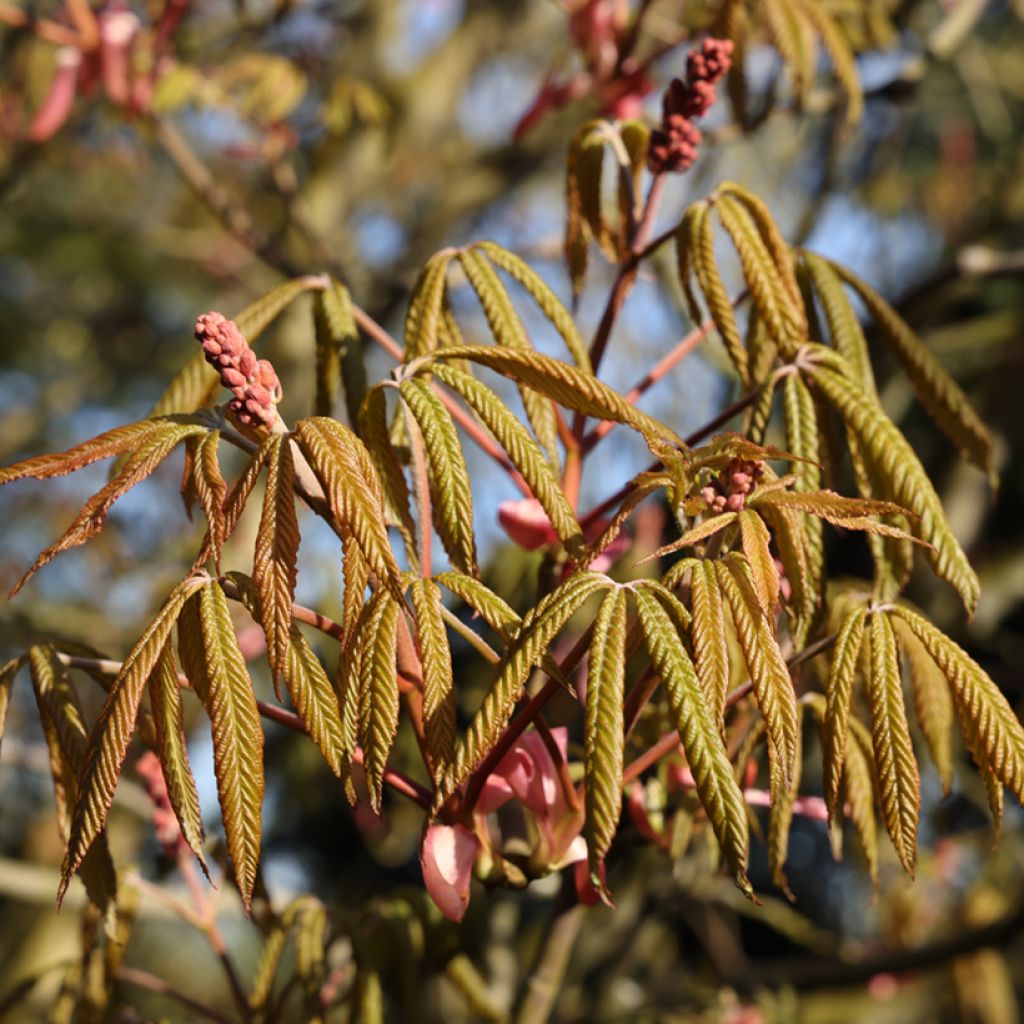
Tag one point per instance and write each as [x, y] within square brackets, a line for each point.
[780, 822]
[112, 733]
[216, 668]
[844, 65]
[859, 786]
[7, 673]
[168, 718]
[277, 546]
[196, 383]
[939, 393]
[541, 624]
[769, 675]
[570, 387]
[719, 794]
[708, 528]
[424, 315]
[449, 478]
[378, 690]
[523, 452]
[836, 723]
[604, 736]
[710, 638]
[90, 519]
[904, 477]
[356, 574]
[436, 660]
[352, 489]
[211, 489]
[756, 542]
[500, 616]
[339, 352]
[548, 303]
[584, 220]
[990, 726]
[933, 703]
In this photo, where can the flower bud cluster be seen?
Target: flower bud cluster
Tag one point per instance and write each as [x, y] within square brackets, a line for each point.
[727, 492]
[674, 144]
[252, 381]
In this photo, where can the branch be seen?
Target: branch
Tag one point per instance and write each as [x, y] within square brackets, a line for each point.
[150, 982]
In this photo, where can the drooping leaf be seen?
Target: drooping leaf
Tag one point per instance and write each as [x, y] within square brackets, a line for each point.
[905, 479]
[710, 639]
[7, 673]
[216, 668]
[844, 66]
[756, 543]
[859, 786]
[781, 821]
[426, 306]
[584, 219]
[277, 546]
[719, 794]
[899, 784]
[452, 503]
[112, 733]
[144, 459]
[339, 352]
[604, 736]
[436, 659]
[168, 717]
[702, 531]
[210, 489]
[523, 452]
[500, 616]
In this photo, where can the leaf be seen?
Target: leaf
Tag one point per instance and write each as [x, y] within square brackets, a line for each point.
[211, 489]
[549, 304]
[196, 383]
[786, 33]
[756, 543]
[488, 605]
[781, 821]
[932, 701]
[584, 220]
[604, 735]
[274, 558]
[168, 717]
[339, 351]
[571, 388]
[904, 478]
[436, 659]
[509, 332]
[719, 794]
[710, 639]
[708, 528]
[990, 726]
[939, 393]
[216, 668]
[899, 784]
[541, 624]
[112, 733]
[378, 690]
[769, 675]
[425, 313]
[859, 785]
[352, 489]
[449, 478]
[836, 724]
[7, 673]
[523, 452]
[844, 65]
[91, 517]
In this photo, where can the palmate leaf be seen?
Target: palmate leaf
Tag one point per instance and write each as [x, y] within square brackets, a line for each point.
[339, 352]
[933, 702]
[992, 730]
[939, 393]
[570, 387]
[216, 668]
[905, 480]
[523, 452]
[452, 497]
[710, 638]
[146, 456]
[509, 332]
[277, 547]
[859, 787]
[425, 313]
[899, 784]
[378, 690]
[436, 660]
[717, 788]
[352, 489]
[604, 736]
[168, 718]
[196, 383]
[836, 721]
[540, 626]
[112, 733]
[210, 489]
[702, 531]
[756, 542]
[499, 615]
[769, 675]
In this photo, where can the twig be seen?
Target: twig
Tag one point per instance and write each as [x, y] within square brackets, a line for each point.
[150, 982]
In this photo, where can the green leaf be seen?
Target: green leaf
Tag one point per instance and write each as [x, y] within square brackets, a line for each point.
[449, 478]
[708, 528]
[216, 668]
[339, 352]
[756, 542]
[112, 733]
[424, 316]
[859, 785]
[710, 639]
[488, 605]
[277, 546]
[604, 736]
[211, 489]
[584, 220]
[436, 660]
[7, 673]
[780, 822]
[523, 452]
[168, 717]
[904, 478]
[717, 788]
[844, 64]
[899, 784]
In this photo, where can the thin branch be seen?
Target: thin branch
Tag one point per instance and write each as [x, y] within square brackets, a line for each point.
[150, 982]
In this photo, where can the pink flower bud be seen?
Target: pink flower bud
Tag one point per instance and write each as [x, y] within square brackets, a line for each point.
[247, 363]
[117, 31]
[446, 856]
[527, 523]
[61, 97]
[734, 503]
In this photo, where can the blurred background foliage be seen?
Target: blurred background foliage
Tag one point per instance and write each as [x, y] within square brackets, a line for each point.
[361, 137]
